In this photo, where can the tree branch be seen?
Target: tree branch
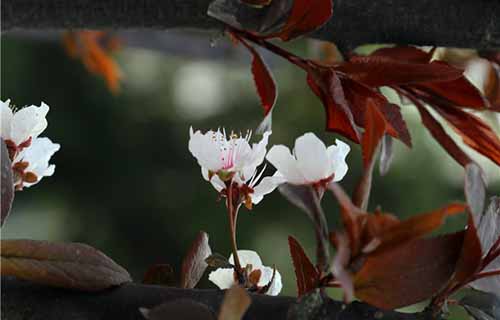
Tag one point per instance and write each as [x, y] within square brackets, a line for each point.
[25, 300]
[450, 23]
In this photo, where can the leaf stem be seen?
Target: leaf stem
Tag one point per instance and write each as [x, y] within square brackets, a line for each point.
[486, 274]
[296, 60]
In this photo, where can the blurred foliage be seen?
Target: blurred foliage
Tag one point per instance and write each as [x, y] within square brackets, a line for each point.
[126, 183]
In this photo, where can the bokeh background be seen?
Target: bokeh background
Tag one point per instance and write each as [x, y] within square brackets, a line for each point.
[125, 181]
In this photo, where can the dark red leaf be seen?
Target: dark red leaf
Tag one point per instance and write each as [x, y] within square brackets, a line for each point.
[379, 71]
[459, 92]
[6, 183]
[437, 131]
[392, 114]
[327, 86]
[408, 273]
[417, 226]
[474, 132]
[358, 95]
[305, 272]
[194, 264]
[264, 81]
[470, 256]
[408, 54]
[375, 127]
[306, 16]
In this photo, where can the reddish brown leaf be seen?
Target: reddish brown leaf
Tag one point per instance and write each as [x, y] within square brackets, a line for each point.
[408, 54]
[470, 256]
[235, 304]
[160, 274]
[416, 226]
[264, 81]
[349, 214]
[327, 86]
[305, 272]
[459, 92]
[437, 131]
[68, 265]
[263, 78]
[375, 127]
[474, 132]
[6, 183]
[359, 95]
[194, 264]
[408, 273]
[379, 71]
[392, 114]
[306, 16]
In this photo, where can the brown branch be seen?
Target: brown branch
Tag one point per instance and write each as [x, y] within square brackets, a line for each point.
[450, 23]
[25, 300]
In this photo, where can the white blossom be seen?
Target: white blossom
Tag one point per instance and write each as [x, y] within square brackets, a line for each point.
[30, 154]
[225, 158]
[37, 157]
[224, 277]
[311, 162]
[24, 124]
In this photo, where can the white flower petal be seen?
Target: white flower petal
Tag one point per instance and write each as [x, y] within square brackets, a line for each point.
[311, 156]
[336, 157]
[29, 122]
[266, 276]
[38, 155]
[259, 150]
[266, 186]
[205, 149]
[248, 257]
[281, 158]
[222, 278]
[5, 120]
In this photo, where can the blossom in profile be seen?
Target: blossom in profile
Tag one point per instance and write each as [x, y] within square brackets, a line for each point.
[311, 162]
[259, 276]
[32, 163]
[227, 160]
[29, 153]
[20, 127]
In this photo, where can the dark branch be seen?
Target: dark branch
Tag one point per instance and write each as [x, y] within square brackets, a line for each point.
[24, 300]
[450, 23]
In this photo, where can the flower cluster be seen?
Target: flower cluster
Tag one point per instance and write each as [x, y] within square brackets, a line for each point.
[230, 160]
[231, 164]
[29, 153]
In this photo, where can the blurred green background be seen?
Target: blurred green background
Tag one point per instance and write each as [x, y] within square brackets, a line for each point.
[126, 183]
